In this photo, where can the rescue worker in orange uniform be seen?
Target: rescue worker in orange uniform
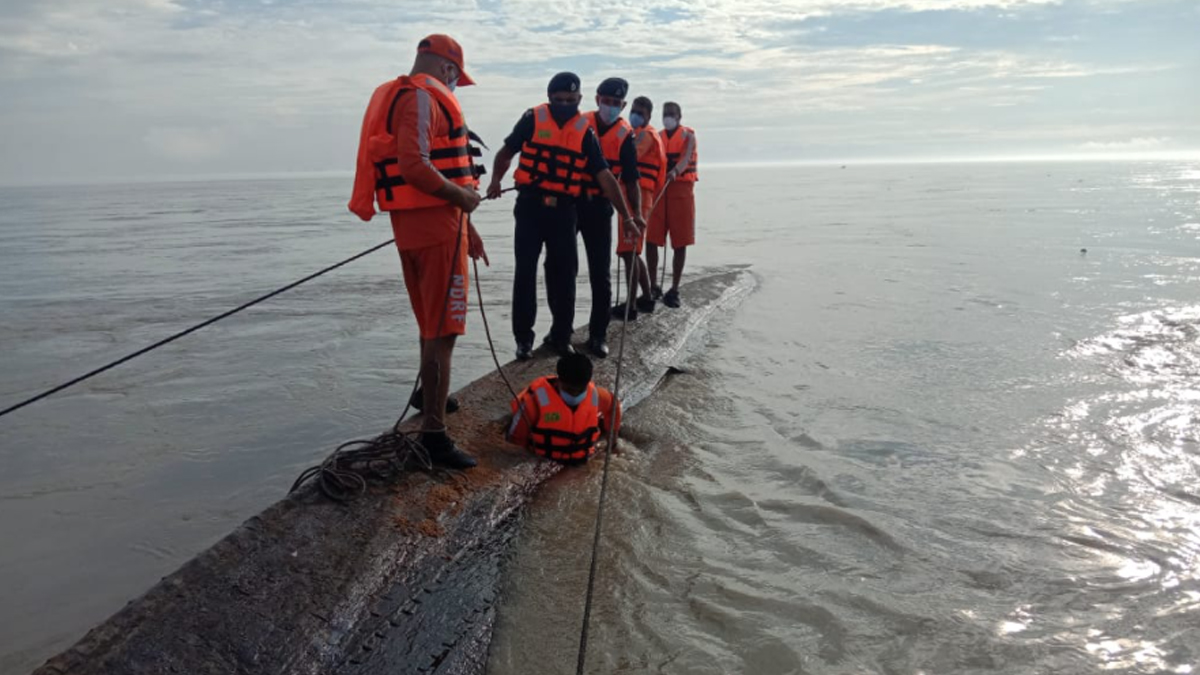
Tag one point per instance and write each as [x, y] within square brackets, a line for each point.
[595, 213]
[558, 154]
[676, 213]
[415, 160]
[561, 418]
[652, 176]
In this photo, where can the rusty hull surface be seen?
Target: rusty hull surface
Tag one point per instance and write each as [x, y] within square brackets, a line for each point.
[401, 580]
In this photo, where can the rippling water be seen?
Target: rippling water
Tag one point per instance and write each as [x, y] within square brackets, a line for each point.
[937, 439]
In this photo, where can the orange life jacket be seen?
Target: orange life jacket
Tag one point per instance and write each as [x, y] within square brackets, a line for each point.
[652, 159]
[556, 431]
[377, 175]
[553, 159]
[676, 142]
[610, 145]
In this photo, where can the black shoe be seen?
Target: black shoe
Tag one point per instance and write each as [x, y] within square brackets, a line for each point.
[560, 347]
[671, 299]
[443, 452]
[645, 304]
[597, 347]
[656, 292]
[524, 351]
[618, 313]
[418, 400]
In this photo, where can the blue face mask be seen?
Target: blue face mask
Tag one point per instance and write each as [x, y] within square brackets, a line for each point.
[453, 85]
[609, 113]
[572, 400]
[637, 120]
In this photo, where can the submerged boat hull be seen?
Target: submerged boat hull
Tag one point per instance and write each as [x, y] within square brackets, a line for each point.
[401, 580]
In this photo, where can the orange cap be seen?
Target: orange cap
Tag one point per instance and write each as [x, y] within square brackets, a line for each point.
[447, 48]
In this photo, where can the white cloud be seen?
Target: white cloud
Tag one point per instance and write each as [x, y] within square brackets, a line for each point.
[180, 82]
[1130, 145]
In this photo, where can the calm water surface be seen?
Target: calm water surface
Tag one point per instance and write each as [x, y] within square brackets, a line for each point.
[937, 439]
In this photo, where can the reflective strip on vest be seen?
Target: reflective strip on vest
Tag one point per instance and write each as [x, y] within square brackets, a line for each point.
[610, 146]
[561, 433]
[553, 160]
[451, 155]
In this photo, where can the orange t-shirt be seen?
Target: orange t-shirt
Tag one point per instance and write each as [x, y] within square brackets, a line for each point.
[417, 120]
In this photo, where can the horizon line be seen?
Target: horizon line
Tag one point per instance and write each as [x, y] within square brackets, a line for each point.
[1162, 156]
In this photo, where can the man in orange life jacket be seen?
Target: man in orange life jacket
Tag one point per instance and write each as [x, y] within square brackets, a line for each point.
[561, 418]
[595, 212]
[652, 176]
[676, 213]
[558, 153]
[415, 159]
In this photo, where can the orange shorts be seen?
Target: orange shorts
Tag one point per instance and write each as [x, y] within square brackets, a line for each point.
[676, 215]
[437, 285]
[625, 244]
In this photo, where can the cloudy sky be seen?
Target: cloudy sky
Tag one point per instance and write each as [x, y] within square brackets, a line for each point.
[104, 89]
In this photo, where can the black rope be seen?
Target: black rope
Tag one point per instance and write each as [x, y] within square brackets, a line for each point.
[608, 450]
[176, 336]
[663, 279]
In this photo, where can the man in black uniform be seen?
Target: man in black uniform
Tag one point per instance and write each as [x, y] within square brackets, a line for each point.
[595, 212]
[557, 151]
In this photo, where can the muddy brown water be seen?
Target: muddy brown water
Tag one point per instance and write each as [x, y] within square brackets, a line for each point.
[938, 438]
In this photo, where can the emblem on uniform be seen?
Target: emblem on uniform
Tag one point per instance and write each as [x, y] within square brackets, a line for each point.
[544, 133]
[552, 417]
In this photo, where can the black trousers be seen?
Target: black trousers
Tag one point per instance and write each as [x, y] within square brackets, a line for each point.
[551, 226]
[595, 226]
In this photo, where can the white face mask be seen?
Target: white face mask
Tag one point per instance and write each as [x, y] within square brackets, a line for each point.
[669, 123]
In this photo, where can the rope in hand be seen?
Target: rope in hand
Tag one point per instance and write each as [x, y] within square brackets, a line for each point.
[171, 338]
[634, 272]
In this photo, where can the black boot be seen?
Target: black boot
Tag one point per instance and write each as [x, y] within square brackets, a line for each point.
[671, 298]
[560, 347]
[524, 351]
[598, 347]
[443, 452]
[619, 313]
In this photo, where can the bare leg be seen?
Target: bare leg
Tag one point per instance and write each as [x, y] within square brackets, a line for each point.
[632, 266]
[643, 276]
[677, 259]
[652, 261]
[435, 378]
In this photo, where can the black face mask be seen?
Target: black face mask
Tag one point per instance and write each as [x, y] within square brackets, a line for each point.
[561, 112]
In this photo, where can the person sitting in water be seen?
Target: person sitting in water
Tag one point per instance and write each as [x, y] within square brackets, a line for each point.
[561, 418]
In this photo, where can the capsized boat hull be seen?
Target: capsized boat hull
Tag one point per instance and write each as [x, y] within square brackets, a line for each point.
[401, 580]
